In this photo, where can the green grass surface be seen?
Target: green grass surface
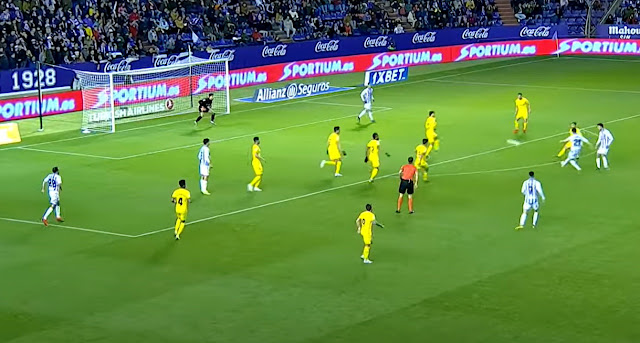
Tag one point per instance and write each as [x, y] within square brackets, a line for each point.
[283, 265]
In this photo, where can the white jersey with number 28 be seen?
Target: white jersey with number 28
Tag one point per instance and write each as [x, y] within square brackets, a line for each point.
[53, 182]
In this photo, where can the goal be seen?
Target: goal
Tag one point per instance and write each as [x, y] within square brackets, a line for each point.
[122, 97]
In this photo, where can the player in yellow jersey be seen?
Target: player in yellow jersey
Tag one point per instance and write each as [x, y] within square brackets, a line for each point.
[421, 158]
[256, 163]
[523, 109]
[181, 197]
[365, 223]
[372, 155]
[430, 127]
[567, 145]
[335, 151]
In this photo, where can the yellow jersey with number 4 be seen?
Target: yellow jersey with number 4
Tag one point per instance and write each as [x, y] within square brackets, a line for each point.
[181, 197]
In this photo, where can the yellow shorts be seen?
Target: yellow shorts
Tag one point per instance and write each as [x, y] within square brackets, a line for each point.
[257, 168]
[366, 237]
[375, 162]
[334, 154]
[421, 165]
[181, 216]
[524, 117]
[432, 136]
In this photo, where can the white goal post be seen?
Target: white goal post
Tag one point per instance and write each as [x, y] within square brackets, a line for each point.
[121, 97]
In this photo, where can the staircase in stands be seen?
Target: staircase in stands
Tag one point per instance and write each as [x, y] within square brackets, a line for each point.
[506, 13]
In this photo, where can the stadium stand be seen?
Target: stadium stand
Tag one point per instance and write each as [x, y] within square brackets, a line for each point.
[572, 13]
[68, 31]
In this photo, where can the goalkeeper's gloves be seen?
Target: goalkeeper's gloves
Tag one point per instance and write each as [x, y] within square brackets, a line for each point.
[366, 159]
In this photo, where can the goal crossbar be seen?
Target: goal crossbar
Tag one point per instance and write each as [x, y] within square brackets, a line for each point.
[134, 95]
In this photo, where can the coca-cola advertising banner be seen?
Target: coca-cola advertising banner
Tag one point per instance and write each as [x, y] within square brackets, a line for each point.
[618, 31]
[254, 56]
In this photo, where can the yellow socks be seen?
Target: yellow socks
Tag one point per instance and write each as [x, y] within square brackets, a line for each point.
[332, 163]
[517, 125]
[374, 172]
[436, 144]
[338, 165]
[180, 228]
[524, 126]
[256, 181]
[424, 176]
[365, 252]
[178, 223]
[562, 151]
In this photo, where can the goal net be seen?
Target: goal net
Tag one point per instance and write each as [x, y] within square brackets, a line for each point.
[121, 97]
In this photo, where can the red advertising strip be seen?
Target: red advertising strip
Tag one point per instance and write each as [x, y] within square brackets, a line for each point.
[202, 84]
[598, 47]
[27, 107]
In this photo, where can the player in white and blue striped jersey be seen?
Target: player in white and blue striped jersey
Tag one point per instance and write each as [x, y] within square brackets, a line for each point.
[53, 183]
[205, 164]
[605, 138]
[576, 141]
[367, 99]
[531, 189]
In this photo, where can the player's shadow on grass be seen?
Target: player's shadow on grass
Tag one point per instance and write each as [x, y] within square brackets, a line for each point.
[164, 252]
[361, 127]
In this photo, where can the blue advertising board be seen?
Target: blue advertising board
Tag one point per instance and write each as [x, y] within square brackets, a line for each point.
[292, 91]
[253, 56]
[618, 31]
[381, 77]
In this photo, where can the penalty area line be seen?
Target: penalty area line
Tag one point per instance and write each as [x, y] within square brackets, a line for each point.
[303, 196]
[75, 228]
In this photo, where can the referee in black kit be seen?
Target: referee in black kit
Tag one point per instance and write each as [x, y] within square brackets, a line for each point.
[205, 106]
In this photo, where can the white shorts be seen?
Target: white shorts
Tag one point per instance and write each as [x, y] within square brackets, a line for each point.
[367, 106]
[204, 170]
[574, 154]
[54, 198]
[527, 206]
[602, 151]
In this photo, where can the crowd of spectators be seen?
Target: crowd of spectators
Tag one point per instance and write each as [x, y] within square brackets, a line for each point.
[69, 31]
[436, 14]
[627, 13]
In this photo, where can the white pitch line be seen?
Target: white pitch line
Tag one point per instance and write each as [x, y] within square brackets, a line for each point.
[300, 196]
[382, 108]
[365, 181]
[68, 153]
[287, 103]
[240, 136]
[68, 227]
[602, 90]
[587, 58]
[507, 169]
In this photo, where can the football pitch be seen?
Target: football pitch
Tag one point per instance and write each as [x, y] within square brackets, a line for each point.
[283, 265]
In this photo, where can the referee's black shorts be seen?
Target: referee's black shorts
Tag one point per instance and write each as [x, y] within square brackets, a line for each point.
[406, 186]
